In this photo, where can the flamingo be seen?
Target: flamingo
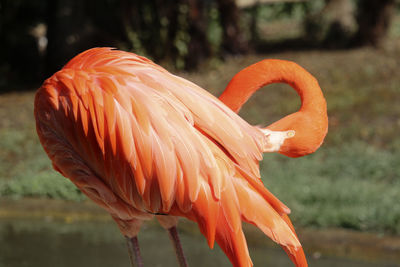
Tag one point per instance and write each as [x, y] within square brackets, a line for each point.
[143, 143]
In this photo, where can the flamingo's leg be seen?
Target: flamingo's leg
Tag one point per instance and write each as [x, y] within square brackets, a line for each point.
[130, 229]
[169, 223]
[134, 251]
[173, 235]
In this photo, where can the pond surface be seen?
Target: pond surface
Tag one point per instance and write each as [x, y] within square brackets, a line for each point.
[48, 243]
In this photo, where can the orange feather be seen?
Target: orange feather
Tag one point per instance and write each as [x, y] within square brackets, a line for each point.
[140, 141]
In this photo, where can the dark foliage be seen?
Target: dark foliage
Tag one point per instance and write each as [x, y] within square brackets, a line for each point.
[38, 37]
[374, 18]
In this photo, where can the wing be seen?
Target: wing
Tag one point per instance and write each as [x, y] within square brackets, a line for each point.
[141, 128]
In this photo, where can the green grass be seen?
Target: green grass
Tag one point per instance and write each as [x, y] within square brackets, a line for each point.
[354, 186]
[353, 181]
[25, 169]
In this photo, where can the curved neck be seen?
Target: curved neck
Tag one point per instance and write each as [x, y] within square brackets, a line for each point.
[244, 84]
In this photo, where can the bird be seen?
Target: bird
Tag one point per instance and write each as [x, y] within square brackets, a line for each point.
[144, 143]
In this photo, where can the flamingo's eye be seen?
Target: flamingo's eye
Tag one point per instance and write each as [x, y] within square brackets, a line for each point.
[290, 133]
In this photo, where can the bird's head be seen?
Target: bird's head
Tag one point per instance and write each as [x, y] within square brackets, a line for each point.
[297, 134]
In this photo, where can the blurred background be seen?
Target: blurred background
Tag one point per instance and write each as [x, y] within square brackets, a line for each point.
[344, 198]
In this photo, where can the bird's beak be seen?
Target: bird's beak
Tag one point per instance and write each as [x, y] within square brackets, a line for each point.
[275, 139]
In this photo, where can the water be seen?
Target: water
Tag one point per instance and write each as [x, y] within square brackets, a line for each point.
[42, 243]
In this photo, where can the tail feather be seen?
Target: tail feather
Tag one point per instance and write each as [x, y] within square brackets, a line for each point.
[233, 244]
[277, 226]
[298, 257]
[206, 212]
[256, 210]
[220, 220]
[297, 254]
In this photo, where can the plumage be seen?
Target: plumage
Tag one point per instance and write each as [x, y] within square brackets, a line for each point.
[140, 141]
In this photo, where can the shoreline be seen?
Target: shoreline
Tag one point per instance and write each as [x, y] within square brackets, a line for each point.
[317, 243]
